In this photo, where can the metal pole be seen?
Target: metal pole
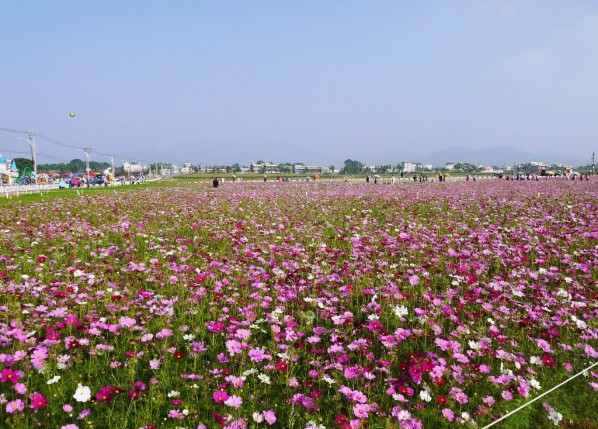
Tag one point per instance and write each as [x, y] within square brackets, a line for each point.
[87, 152]
[541, 396]
[111, 158]
[31, 141]
[593, 159]
[33, 155]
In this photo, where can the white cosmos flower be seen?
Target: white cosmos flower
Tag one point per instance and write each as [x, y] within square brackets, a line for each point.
[264, 378]
[401, 311]
[82, 394]
[425, 396]
[53, 379]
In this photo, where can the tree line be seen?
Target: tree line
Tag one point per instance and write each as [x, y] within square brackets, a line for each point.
[74, 165]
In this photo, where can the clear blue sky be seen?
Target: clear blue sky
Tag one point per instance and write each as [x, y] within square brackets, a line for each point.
[306, 81]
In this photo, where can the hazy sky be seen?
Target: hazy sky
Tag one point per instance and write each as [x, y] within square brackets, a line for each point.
[298, 81]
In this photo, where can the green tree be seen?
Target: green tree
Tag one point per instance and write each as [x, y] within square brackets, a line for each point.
[23, 163]
[352, 167]
[285, 168]
[466, 167]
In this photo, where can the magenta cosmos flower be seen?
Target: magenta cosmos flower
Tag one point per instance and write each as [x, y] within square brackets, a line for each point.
[38, 401]
[219, 396]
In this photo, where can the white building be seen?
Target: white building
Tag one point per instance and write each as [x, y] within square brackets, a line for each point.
[133, 168]
[309, 169]
[263, 167]
[186, 168]
[409, 167]
[8, 171]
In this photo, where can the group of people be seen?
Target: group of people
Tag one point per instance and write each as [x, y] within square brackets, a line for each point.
[582, 176]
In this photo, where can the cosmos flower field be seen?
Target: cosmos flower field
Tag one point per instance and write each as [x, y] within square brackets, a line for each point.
[300, 305]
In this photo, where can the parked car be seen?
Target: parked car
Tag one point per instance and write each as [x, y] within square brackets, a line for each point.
[96, 180]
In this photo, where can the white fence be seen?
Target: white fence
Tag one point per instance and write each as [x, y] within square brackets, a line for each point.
[25, 189]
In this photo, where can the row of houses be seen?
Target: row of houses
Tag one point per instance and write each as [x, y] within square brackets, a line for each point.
[298, 168]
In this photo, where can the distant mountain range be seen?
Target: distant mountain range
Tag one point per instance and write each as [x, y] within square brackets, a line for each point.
[499, 155]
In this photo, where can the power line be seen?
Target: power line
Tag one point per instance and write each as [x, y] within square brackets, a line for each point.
[43, 136]
[66, 145]
[10, 130]
[12, 151]
[51, 140]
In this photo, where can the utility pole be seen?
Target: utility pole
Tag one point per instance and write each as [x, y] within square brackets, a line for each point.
[593, 160]
[33, 155]
[111, 158]
[31, 141]
[87, 152]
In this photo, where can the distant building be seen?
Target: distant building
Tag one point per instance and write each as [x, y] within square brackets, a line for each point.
[309, 169]
[449, 165]
[133, 168]
[186, 168]
[8, 171]
[409, 167]
[263, 167]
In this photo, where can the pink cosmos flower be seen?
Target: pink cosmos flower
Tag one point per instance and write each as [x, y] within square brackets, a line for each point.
[155, 364]
[544, 345]
[176, 414]
[164, 333]
[589, 350]
[351, 372]
[357, 396]
[361, 410]
[258, 355]
[234, 401]
[269, 416]
[15, 406]
[448, 414]
[236, 424]
[127, 322]
[234, 347]
[489, 400]
[458, 395]
[484, 369]
[84, 414]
